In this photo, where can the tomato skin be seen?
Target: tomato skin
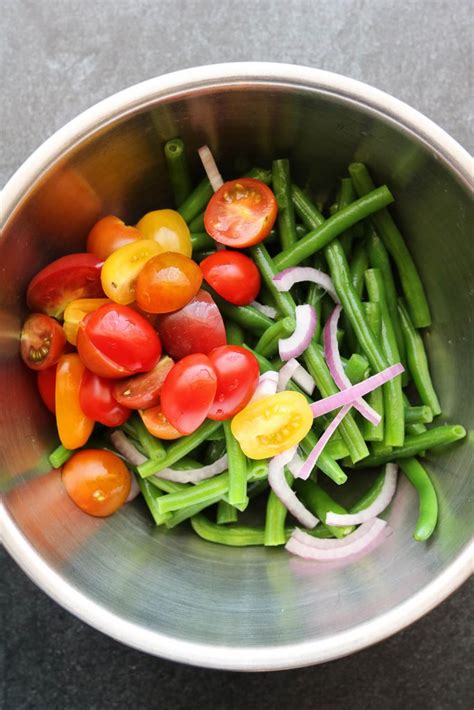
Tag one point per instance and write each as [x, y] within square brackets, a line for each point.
[109, 234]
[237, 378]
[97, 400]
[94, 360]
[272, 424]
[232, 275]
[42, 341]
[97, 481]
[121, 269]
[64, 280]
[241, 213]
[167, 282]
[196, 328]
[188, 392]
[143, 391]
[74, 427]
[124, 336]
[46, 381]
[76, 311]
[158, 425]
[168, 229]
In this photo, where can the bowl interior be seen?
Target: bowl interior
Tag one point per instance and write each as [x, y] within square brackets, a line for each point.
[232, 605]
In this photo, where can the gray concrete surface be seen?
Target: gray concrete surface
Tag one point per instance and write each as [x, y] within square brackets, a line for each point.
[57, 58]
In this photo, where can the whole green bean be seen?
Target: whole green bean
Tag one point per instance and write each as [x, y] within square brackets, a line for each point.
[196, 201]
[234, 333]
[371, 431]
[202, 242]
[178, 170]
[237, 464]
[281, 184]
[233, 535]
[152, 446]
[275, 517]
[347, 195]
[305, 209]
[320, 504]
[418, 362]
[248, 317]
[418, 415]
[268, 342]
[393, 240]
[333, 227]
[151, 494]
[226, 513]
[59, 456]
[428, 501]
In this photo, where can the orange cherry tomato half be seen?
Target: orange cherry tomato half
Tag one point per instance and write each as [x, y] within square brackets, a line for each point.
[158, 425]
[143, 391]
[232, 275]
[167, 282]
[42, 341]
[46, 381]
[241, 213]
[74, 427]
[237, 378]
[97, 400]
[188, 392]
[109, 234]
[97, 481]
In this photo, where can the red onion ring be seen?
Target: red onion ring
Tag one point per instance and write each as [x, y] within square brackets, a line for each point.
[279, 485]
[285, 279]
[382, 501]
[296, 344]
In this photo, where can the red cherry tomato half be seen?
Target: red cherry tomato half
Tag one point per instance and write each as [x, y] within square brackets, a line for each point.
[188, 393]
[109, 234]
[232, 275]
[65, 280]
[124, 336]
[237, 378]
[143, 391]
[46, 381]
[98, 403]
[42, 341]
[196, 328]
[241, 213]
[94, 360]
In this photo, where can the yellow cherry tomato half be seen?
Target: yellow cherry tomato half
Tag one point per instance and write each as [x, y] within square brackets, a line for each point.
[272, 424]
[168, 229]
[120, 270]
[76, 311]
[74, 428]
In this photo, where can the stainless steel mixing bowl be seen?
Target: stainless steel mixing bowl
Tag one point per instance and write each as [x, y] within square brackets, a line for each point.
[170, 593]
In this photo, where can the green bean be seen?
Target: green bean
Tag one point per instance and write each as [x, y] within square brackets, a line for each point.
[248, 317]
[202, 242]
[178, 170]
[237, 464]
[59, 456]
[393, 240]
[320, 504]
[394, 424]
[216, 435]
[226, 513]
[151, 494]
[428, 502]
[282, 190]
[214, 451]
[413, 428]
[275, 517]
[356, 368]
[347, 195]
[152, 446]
[234, 333]
[268, 342]
[416, 443]
[418, 362]
[233, 535]
[261, 174]
[196, 225]
[333, 227]
[358, 267]
[179, 448]
[196, 201]
[418, 415]
[202, 492]
[371, 431]
[167, 486]
[337, 449]
[370, 495]
[305, 209]
[178, 516]
[315, 298]
[325, 462]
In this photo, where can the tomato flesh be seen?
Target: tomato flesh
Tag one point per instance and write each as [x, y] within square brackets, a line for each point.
[42, 341]
[143, 391]
[74, 427]
[46, 381]
[232, 275]
[188, 392]
[65, 280]
[97, 400]
[241, 213]
[158, 425]
[97, 481]
[168, 229]
[109, 234]
[167, 282]
[237, 378]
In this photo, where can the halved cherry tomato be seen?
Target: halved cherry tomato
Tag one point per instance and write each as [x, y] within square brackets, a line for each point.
[76, 311]
[143, 391]
[98, 402]
[272, 424]
[232, 275]
[120, 270]
[109, 234]
[123, 336]
[65, 280]
[188, 392]
[168, 229]
[158, 425]
[237, 378]
[97, 481]
[167, 282]
[42, 341]
[46, 381]
[74, 427]
[241, 213]
[196, 328]
[94, 360]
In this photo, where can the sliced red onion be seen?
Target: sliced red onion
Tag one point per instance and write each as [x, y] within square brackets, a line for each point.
[279, 485]
[315, 453]
[292, 370]
[296, 344]
[378, 506]
[194, 475]
[333, 359]
[347, 396]
[215, 178]
[125, 447]
[285, 279]
[134, 489]
[267, 384]
[295, 465]
[304, 379]
[362, 540]
[269, 311]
